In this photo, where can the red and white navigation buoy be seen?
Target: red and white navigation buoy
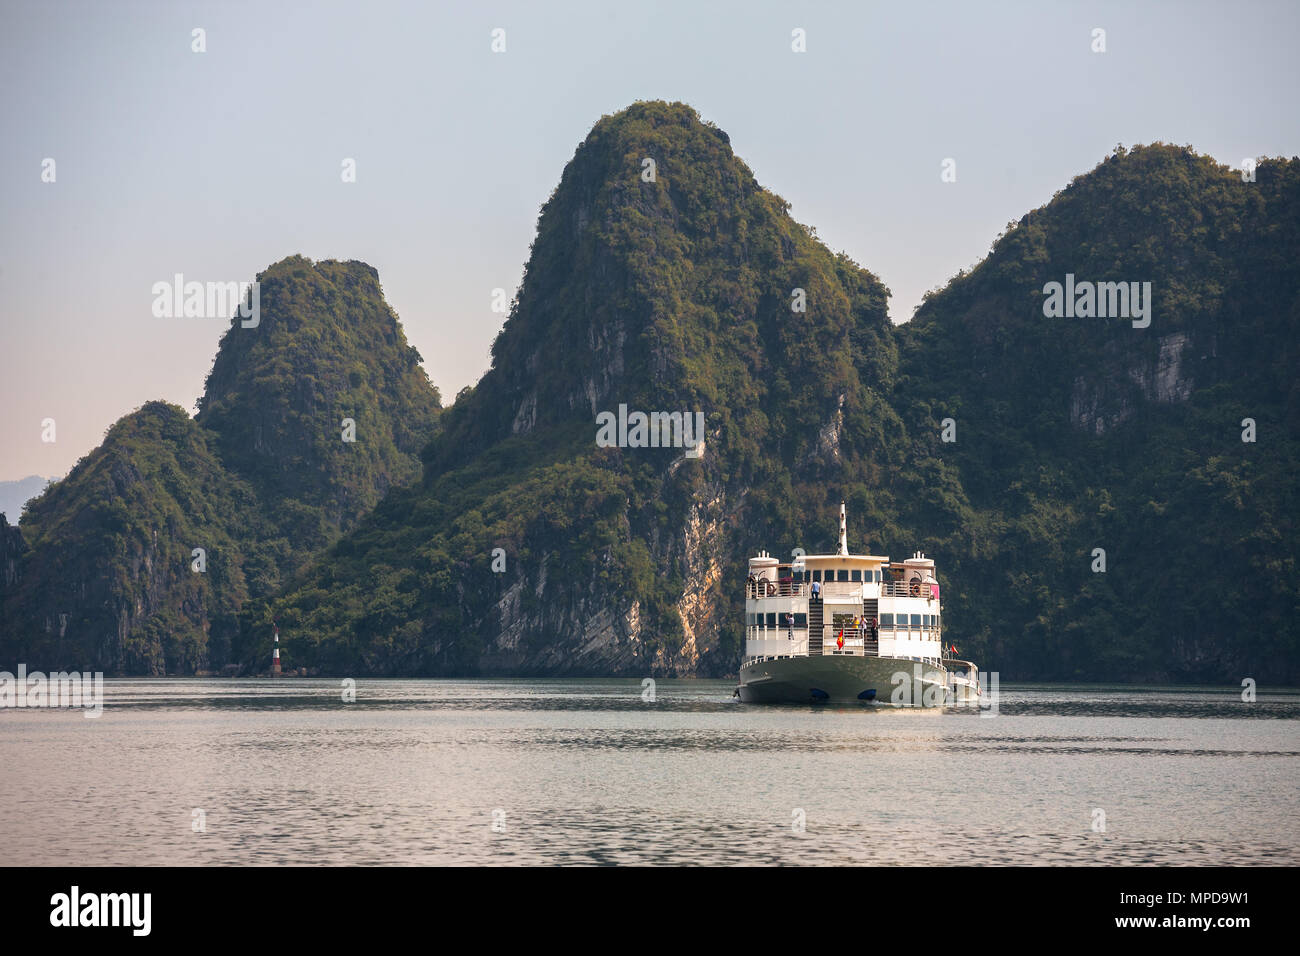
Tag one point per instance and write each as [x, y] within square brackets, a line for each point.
[275, 654]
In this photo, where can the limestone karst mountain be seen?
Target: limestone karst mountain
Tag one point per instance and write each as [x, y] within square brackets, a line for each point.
[104, 572]
[693, 290]
[1121, 438]
[1025, 447]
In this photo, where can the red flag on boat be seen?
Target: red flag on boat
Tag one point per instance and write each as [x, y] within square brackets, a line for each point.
[840, 642]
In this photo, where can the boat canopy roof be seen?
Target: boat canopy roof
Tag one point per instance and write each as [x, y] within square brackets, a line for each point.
[821, 560]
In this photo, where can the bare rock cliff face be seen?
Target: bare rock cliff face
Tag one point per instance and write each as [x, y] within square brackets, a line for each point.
[1109, 395]
[547, 621]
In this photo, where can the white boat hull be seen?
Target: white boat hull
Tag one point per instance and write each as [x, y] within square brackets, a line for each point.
[845, 679]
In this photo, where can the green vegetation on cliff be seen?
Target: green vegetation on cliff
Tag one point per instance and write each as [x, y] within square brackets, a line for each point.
[103, 571]
[1073, 434]
[108, 574]
[1084, 433]
[667, 295]
[526, 548]
[328, 349]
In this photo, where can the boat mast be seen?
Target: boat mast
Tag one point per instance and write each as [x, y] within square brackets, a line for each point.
[844, 533]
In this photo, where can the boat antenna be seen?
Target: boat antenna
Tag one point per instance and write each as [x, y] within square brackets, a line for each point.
[844, 532]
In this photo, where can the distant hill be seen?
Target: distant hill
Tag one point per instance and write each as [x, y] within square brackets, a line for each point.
[15, 494]
[103, 572]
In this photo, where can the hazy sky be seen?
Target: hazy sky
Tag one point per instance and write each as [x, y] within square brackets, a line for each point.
[217, 164]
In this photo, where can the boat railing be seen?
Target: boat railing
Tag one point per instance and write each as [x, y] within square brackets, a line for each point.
[971, 672]
[870, 650]
[763, 588]
[923, 589]
[782, 642]
[857, 643]
[842, 588]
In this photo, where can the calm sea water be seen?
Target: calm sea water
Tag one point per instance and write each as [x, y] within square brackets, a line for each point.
[586, 772]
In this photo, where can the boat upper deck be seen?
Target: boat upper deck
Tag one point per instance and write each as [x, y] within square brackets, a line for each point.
[898, 579]
[842, 604]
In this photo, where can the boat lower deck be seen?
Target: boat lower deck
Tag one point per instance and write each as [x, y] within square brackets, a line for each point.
[844, 679]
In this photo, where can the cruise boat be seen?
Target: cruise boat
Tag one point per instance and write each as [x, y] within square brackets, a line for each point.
[849, 628]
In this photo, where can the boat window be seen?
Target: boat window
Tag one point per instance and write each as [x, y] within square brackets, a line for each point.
[916, 620]
[842, 574]
[887, 621]
[817, 574]
[801, 620]
[855, 575]
[771, 619]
